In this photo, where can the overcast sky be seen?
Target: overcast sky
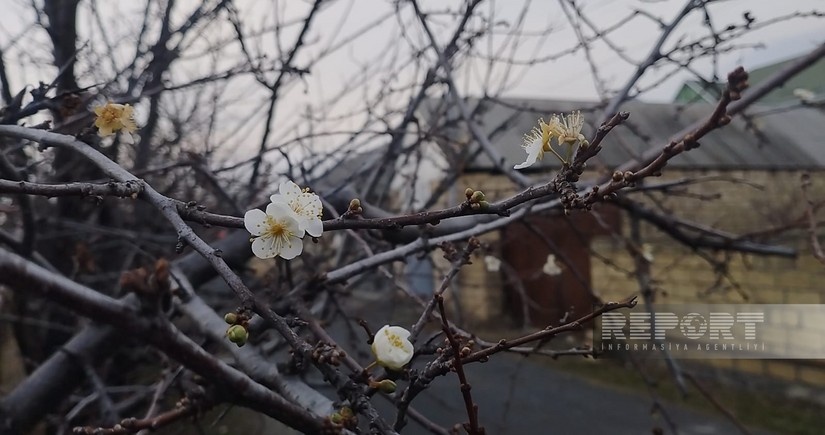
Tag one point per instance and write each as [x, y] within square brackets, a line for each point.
[781, 41]
[568, 78]
[371, 47]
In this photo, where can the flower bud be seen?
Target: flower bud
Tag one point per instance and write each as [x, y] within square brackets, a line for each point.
[336, 418]
[237, 334]
[483, 204]
[230, 318]
[477, 196]
[386, 386]
[346, 412]
[469, 192]
[392, 347]
[355, 204]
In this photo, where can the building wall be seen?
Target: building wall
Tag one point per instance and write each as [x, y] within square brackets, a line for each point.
[742, 208]
[739, 202]
[755, 202]
[479, 291]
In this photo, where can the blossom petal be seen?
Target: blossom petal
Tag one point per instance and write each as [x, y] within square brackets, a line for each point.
[315, 227]
[311, 204]
[127, 138]
[529, 162]
[289, 189]
[535, 151]
[129, 124]
[281, 199]
[277, 209]
[292, 248]
[264, 247]
[254, 220]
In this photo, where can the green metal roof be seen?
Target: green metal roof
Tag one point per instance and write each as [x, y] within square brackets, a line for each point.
[812, 79]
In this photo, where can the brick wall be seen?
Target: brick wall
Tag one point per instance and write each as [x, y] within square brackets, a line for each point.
[739, 202]
[682, 276]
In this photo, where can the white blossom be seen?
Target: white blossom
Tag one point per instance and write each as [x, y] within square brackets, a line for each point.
[392, 347]
[568, 129]
[537, 142]
[276, 232]
[306, 205]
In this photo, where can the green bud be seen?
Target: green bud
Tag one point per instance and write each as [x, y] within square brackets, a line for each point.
[469, 192]
[483, 204]
[387, 386]
[477, 196]
[346, 412]
[336, 418]
[355, 204]
[237, 334]
[230, 318]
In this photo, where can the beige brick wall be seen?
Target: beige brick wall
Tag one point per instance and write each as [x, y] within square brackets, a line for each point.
[682, 276]
[760, 200]
[738, 202]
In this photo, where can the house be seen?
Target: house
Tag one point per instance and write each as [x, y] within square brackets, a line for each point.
[743, 182]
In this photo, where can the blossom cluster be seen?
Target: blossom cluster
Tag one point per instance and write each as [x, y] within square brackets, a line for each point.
[566, 129]
[278, 231]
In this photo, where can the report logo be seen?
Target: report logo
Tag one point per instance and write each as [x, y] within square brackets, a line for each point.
[706, 331]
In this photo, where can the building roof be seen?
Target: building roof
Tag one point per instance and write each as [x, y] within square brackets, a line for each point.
[811, 79]
[772, 140]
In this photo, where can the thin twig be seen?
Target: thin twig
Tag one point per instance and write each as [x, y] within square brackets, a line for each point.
[472, 425]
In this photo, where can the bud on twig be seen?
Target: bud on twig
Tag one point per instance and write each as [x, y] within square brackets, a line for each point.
[237, 334]
[355, 206]
[385, 386]
[230, 318]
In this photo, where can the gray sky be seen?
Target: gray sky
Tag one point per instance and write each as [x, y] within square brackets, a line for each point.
[570, 77]
[372, 47]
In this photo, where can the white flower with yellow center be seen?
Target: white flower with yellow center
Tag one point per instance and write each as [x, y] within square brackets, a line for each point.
[568, 129]
[392, 347]
[276, 232]
[306, 205]
[536, 143]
